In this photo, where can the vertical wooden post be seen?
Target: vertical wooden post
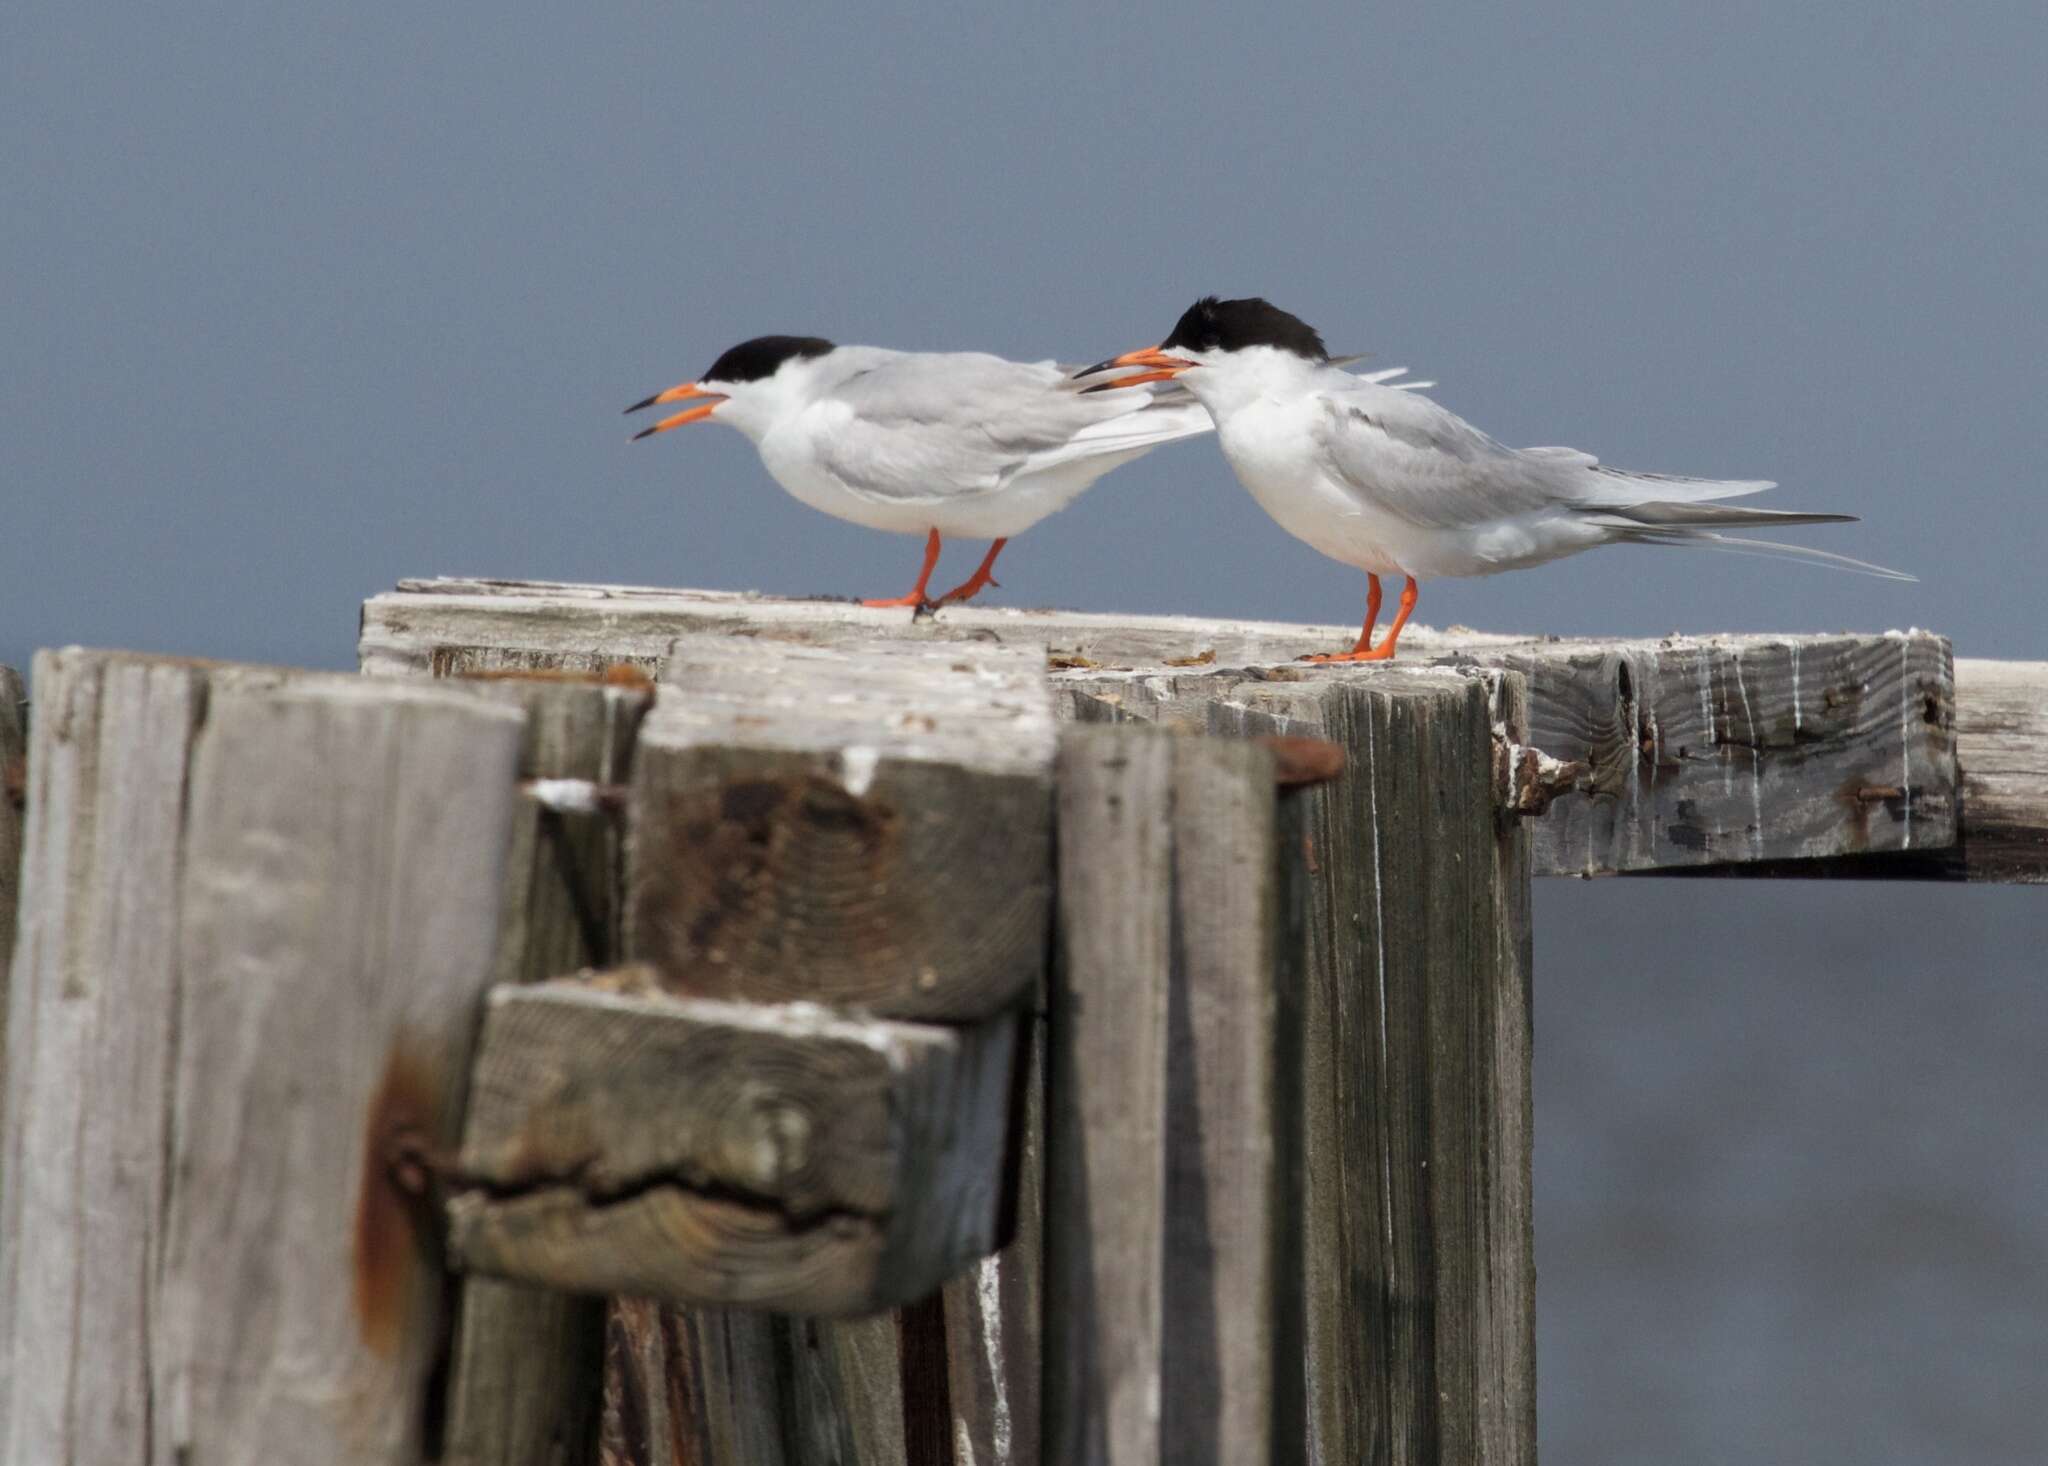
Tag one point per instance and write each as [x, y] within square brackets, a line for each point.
[90, 1057]
[13, 798]
[261, 918]
[1416, 1247]
[1419, 1274]
[1166, 1177]
[527, 1371]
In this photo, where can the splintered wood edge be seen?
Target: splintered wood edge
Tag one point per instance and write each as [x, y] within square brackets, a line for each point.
[677, 1229]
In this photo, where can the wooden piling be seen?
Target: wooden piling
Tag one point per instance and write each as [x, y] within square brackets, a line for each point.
[1165, 1322]
[525, 1378]
[259, 916]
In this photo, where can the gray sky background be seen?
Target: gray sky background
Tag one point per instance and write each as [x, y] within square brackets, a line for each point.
[298, 300]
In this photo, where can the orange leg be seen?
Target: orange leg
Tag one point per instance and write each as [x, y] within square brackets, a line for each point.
[972, 586]
[1384, 652]
[924, 576]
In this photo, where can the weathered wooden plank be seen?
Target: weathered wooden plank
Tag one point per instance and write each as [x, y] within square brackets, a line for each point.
[91, 1039]
[526, 1373]
[339, 897]
[622, 1140]
[1416, 1244]
[2002, 748]
[13, 799]
[694, 1387]
[1105, 1242]
[2001, 732]
[864, 824]
[1224, 1202]
[1164, 1185]
[1697, 752]
[993, 1312]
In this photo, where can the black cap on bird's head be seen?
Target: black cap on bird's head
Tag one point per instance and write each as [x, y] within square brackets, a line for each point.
[1231, 325]
[763, 356]
[750, 361]
[1214, 325]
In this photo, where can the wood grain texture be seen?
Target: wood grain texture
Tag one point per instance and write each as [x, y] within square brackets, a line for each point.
[1165, 1188]
[1700, 752]
[993, 1311]
[694, 1387]
[339, 908]
[1416, 1245]
[2002, 747]
[866, 824]
[622, 1140]
[91, 1038]
[1105, 1182]
[13, 801]
[526, 1372]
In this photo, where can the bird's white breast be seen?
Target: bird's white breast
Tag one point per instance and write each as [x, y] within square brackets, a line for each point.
[1271, 446]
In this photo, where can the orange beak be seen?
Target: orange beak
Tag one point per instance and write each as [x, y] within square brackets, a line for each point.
[1163, 368]
[678, 394]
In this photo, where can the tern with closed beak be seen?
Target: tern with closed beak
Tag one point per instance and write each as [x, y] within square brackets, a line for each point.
[941, 444]
[1382, 478]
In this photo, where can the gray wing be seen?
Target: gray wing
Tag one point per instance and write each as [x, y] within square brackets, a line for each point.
[932, 424]
[1424, 464]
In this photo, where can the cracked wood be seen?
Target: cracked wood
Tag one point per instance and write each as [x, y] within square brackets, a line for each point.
[624, 1140]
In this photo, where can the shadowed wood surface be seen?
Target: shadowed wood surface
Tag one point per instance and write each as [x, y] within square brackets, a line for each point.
[862, 823]
[1697, 752]
[623, 1140]
[1416, 1256]
[526, 1371]
[13, 800]
[339, 908]
[1165, 1187]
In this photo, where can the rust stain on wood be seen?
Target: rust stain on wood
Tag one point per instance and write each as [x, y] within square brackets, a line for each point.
[1300, 761]
[14, 782]
[1200, 659]
[392, 1211]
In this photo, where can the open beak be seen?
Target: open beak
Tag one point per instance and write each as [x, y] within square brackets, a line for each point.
[1162, 368]
[678, 394]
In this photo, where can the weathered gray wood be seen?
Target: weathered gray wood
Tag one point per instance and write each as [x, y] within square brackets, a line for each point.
[90, 1037]
[250, 898]
[526, 1373]
[1106, 1118]
[693, 1387]
[865, 824]
[993, 1312]
[622, 1140]
[2001, 731]
[2002, 748]
[1697, 751]
[339, 909]
[1164, 1188]
[1416, 1246]
[13, 799]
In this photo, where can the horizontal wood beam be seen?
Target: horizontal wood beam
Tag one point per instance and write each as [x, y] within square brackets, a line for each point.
[868, 823]
[1686, 753]
[623, 1140]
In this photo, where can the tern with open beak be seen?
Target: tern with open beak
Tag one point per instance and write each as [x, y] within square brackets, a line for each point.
[1382, 478]
[932, 443]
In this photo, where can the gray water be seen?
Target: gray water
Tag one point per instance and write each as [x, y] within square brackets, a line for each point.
[1791, 1173]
